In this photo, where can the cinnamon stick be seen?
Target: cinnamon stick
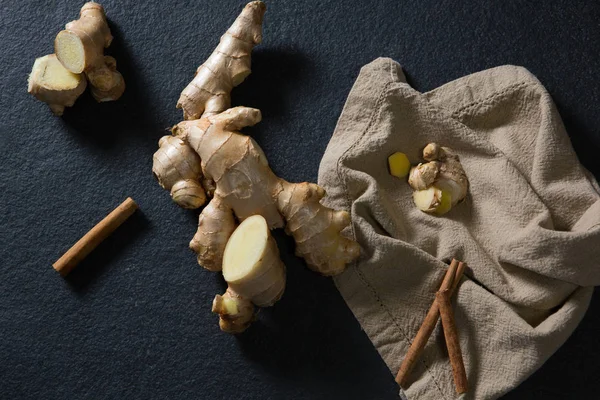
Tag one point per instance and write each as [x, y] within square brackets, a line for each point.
[450, 333]
[451, 280]
[94, 237]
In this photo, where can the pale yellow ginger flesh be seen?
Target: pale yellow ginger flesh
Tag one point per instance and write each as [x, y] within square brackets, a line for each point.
[251, 264]
[53, 84]
[399, 165]
[439, 184]
[80, 48]
[229, 64]
[71, 51]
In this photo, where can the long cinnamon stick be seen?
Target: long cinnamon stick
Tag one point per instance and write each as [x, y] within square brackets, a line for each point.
[450, 333]
[451, 280]
[94, 237]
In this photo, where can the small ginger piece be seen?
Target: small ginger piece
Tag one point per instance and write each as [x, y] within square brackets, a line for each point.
[53, 84]
[229, 64]
[80, 48]
[423, 175]
[236, 313]
[439, 184]
[432, 152]
[177, 168]
[399, 165]
[236, 174]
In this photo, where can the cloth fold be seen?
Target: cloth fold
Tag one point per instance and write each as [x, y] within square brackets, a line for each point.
[529, 229]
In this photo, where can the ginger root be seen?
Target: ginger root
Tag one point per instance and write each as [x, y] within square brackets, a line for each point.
[53, 84]
[229, 64]
[80, 48]
[439, 184]
[209, 92]
[236, 174]
[246, 186]
[254, 273]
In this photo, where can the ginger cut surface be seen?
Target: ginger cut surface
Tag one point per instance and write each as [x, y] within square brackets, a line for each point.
[53, 84]
[251, 264]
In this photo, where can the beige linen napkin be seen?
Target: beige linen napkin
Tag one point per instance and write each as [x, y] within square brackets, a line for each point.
[529, 229]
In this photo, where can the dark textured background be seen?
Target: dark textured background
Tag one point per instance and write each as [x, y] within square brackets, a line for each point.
[133, 321]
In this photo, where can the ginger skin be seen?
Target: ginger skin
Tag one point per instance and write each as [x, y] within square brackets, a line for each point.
[80, 48]
[209, 92]
[215, 226]
[439, 184]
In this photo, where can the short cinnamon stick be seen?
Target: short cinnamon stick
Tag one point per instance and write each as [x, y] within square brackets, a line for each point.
[451, 280]
[450, 333]
[94, 237]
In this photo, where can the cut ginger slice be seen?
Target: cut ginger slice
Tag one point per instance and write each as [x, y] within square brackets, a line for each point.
[251, 264]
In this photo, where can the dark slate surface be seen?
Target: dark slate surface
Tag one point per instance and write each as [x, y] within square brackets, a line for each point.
[133, 322]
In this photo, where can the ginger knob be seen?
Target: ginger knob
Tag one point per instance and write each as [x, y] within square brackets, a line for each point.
[235, 312]
[177, 168]
[439, 184]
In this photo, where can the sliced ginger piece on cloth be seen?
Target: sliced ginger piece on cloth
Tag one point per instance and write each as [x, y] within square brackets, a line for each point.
[439, 184]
